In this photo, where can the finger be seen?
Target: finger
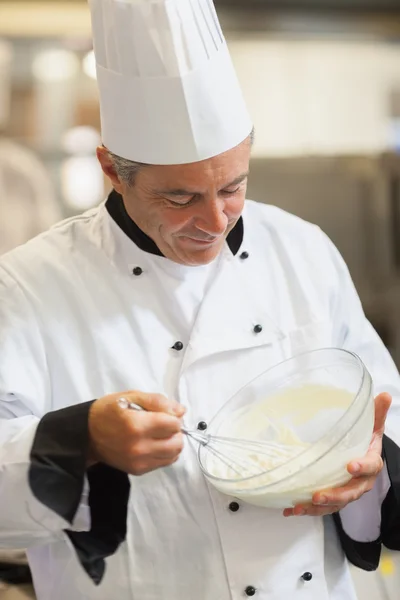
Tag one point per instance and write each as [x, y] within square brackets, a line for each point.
[169, 449]
[156, 403]
[162, 426]
[309, 510]
[148, 466]
[159, 426]
[369, 466]
[344, 495]
[148, 451]
[382, 406]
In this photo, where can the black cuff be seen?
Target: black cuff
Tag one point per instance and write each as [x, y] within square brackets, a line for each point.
[364, 555]
[367, 555]
[57, 476]
[108, 501]
[58, 459]
[391, 507]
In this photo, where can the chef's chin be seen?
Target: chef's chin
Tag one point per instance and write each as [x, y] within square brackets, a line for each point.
[196, 253]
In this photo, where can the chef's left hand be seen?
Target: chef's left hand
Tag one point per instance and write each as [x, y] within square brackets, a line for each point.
[365, 472]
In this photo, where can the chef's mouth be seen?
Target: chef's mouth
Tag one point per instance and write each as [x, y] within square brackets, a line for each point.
[207, 240]
[200, 241]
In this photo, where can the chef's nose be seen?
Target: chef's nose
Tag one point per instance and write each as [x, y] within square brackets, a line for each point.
[212, 218]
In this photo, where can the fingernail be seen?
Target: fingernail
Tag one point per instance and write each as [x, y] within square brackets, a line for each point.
[355, 467]
[323, 500]
[301, 513]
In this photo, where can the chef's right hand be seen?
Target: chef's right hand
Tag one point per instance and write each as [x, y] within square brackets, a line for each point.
[135, 442]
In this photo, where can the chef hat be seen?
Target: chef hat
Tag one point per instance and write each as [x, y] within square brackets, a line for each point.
[5, 82]
[168, 90]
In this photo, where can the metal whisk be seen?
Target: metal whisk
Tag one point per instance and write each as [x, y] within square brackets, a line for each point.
[241, 456]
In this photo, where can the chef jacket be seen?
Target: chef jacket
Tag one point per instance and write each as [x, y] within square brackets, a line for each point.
[91, 307]
[27, 207]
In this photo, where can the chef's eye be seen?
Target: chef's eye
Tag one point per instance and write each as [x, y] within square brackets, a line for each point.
[231, 192]
[183, 202]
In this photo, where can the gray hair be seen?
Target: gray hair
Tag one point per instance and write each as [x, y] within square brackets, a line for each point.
[128, 169]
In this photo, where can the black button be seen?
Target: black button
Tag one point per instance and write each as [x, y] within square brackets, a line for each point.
[307, 576]
[258, 329]
[250, 590]
[202, 426]
[137, 271]
[178, 346]
[234, 506]
[244, 255]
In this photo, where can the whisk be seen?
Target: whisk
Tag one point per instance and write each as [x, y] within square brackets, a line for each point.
[241, 456]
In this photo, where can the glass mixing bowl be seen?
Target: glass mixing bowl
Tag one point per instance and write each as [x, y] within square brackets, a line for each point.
[319, 403]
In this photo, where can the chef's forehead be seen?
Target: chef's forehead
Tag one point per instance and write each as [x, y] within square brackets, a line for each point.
[225, 170]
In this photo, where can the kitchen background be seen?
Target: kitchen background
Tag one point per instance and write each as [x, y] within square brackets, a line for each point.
[322, 81]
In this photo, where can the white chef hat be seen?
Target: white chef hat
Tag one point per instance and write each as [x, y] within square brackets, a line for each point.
[5, 82]
[168, 90]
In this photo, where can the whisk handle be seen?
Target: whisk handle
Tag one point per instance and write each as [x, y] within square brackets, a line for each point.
[201, 438]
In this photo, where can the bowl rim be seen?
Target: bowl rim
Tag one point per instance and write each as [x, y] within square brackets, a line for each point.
[311, 450]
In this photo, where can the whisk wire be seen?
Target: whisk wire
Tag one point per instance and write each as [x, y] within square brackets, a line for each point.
[238, 459]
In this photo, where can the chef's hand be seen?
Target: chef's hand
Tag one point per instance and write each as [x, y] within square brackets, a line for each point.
[365, 472]
[135, 442]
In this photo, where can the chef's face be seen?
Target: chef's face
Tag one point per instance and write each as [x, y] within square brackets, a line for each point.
[188, 210]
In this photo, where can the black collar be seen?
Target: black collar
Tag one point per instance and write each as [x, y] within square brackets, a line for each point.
[117, 211]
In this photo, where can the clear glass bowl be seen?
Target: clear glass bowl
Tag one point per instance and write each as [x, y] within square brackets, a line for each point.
[320, 401]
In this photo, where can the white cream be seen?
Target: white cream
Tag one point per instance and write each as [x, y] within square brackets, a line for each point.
[294, 420]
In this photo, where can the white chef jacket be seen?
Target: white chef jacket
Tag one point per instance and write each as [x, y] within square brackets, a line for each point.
[77, 324]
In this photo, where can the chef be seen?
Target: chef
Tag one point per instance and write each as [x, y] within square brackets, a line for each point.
[173, 294]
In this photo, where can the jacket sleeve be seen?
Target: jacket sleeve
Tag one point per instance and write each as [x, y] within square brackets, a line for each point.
[374, 520]
[25, 395]
[24, 519]
[46, 492]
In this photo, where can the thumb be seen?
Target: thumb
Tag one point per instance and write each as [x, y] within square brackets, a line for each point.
[382, 406]
[159, 403]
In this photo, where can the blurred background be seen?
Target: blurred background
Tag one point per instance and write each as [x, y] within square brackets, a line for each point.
[322, 81]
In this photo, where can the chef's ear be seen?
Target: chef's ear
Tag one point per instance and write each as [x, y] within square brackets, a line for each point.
[107, 164]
